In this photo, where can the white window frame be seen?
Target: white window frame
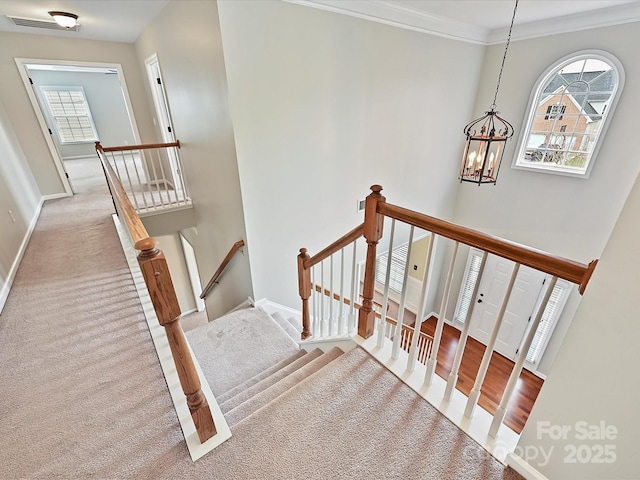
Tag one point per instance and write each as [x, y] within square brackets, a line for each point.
[527, 123]
[54, 117]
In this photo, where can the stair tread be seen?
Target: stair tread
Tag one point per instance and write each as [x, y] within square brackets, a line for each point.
[296, 324]
[286, 326]
[260, 376]
[225, 347]
[266, 382]
[242, 411]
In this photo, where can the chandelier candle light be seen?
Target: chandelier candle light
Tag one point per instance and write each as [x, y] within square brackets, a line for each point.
[487, 137]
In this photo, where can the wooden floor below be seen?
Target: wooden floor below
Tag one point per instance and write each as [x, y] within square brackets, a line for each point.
[500, 368]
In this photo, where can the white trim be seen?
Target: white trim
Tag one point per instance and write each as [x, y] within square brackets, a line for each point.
[523, 468]
[476, 427]
[54, 196]
[401, 16]
[271, 307]
[532, 106]
[79, 157]
[8, 283]
[55, 155]
[158, 334]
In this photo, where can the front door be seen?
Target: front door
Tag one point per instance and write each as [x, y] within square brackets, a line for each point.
[488, 301]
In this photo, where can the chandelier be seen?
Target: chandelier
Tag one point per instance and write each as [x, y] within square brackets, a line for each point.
[487, 137]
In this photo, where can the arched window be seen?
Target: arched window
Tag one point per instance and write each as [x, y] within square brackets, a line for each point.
[570, 107]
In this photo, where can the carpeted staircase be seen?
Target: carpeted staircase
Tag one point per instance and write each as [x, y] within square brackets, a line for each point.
[315, 415]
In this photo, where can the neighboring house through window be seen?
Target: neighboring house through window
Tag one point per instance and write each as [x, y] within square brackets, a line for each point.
[71, 115]
[571, 105]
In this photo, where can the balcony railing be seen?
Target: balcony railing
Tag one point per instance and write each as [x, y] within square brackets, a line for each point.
[322, 290]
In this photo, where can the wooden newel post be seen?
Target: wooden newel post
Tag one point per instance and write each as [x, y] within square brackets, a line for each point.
[373, 224]
[304, 287]
[156, 276]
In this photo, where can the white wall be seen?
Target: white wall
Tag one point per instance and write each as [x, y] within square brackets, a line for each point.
[172, 249]
[594, 377]
[106, 102]
[325, 105]
[566, 216]
[14, 96]
[19, 194]
[193, 71]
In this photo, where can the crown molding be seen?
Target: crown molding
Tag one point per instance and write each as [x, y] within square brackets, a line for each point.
[604, 17]
[389, 13]
[400, 16]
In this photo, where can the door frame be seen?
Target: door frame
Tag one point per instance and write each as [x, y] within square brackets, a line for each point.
[22, 64]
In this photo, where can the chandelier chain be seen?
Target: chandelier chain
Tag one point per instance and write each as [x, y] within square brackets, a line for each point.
[504, 57]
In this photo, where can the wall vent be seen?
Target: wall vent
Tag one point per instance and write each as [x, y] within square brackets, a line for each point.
[34, 23]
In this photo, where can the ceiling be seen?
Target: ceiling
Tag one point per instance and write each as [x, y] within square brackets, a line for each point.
[478, 21]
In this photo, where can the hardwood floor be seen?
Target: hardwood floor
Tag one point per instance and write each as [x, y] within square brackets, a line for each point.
[500, 368]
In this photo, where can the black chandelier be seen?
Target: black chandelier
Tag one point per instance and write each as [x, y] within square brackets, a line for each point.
[487, 137]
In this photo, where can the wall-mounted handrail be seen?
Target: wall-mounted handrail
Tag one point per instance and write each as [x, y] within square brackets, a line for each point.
[223, 265]
[165, 302]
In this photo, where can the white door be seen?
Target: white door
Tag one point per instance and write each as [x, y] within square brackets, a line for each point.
[488, 301]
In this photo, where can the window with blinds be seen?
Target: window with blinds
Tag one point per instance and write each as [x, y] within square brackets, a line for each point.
[398, 266]
[549, 317]
[469, 282]
[71, 115]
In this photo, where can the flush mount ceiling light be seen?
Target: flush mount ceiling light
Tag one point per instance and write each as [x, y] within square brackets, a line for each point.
[64, 19]
[487, 137]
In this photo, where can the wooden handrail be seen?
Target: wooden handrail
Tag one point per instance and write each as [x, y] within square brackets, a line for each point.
[335, 246]
[127, 210]
[223, 265]
[377, 208]
[145, 146]
[155, 271]
[570, 270]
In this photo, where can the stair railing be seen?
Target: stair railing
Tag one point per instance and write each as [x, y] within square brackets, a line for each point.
[165, 302]
[220, 270]
[150, 174]
[376, 210]
[329, 320]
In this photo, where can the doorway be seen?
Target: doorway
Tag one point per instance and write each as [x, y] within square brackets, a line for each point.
[525, 299]
[105, 114]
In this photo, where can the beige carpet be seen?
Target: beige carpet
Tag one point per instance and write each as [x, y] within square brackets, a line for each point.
[82, 393]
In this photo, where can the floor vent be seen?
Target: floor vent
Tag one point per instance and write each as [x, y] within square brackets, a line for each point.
[34, 23]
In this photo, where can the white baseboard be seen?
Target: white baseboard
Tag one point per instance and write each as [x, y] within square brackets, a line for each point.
[6, 287]
[271, 307]
[53, 196]
[79, 157]
[523, 468]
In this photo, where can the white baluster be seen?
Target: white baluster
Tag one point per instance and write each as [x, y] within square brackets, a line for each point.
[164, 180]
[140, 184]
[426, 281]
[133, 192]
[433, 355]
[341, 318]
[354, 280]
[395, 351]
[453, 376]
[182, 187]
[314, 302]
[323, 327]
[155, 180]
[332, 319]
[474, 394]
[385, 301]
[501, 412]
